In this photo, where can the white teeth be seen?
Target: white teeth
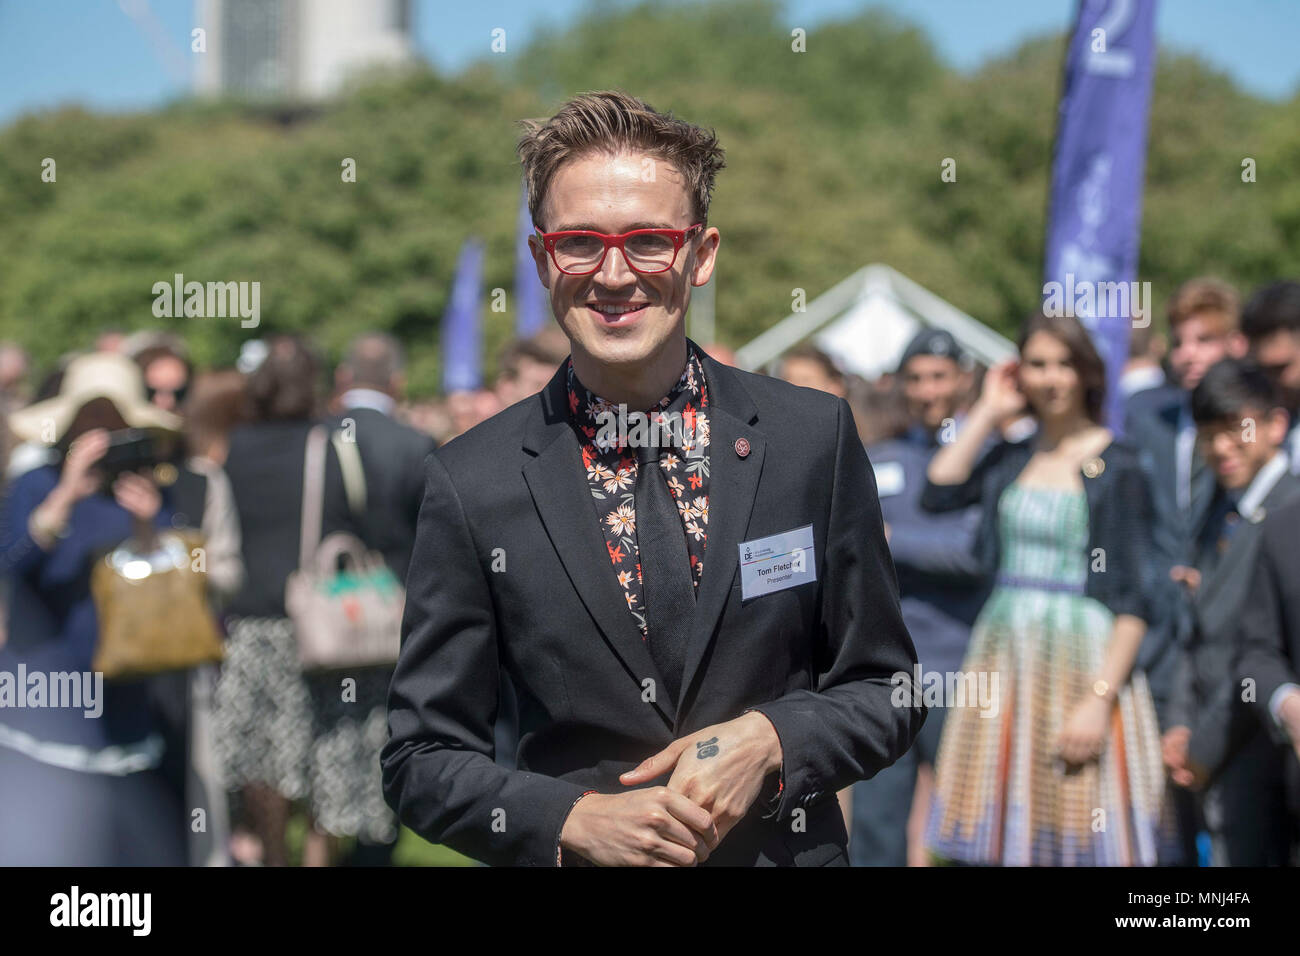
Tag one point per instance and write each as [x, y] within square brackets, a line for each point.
[617, 310]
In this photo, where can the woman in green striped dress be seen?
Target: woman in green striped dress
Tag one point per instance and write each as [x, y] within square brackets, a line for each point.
[1058, 762]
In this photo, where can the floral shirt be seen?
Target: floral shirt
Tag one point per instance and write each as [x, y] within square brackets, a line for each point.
[611, 467]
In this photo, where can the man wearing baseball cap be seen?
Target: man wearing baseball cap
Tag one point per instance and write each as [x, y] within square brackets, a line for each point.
[939, 576]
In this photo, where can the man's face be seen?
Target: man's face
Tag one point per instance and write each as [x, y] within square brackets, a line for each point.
[1238, 447]
[809, 374]
[933, 386]
[1279, 355]
[530, 378]
[616, 193]
[533, 377]
[1199, 341]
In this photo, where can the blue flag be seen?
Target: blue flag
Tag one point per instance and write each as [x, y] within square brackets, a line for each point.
[1097, 173]
[530, 302]
[461, 329]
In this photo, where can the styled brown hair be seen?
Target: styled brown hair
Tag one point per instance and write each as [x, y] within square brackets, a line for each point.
[613, 121]
[285, 386]
[1091, 370]
[1204, 294]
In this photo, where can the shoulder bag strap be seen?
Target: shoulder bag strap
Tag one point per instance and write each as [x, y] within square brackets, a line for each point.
[313, 494]
[354, 475]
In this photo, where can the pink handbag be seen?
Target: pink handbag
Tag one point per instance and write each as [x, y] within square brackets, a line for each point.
[345, 603]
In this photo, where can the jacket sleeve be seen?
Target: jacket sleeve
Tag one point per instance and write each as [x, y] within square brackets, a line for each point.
[849, 727]
[1263, 658]
[1127, 543]
[19, 552]
[945, 549]
[969, 492]
[1181, 707]
[439, 775]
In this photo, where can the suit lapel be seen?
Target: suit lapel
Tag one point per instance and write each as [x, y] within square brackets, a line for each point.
[733, 482]
[556, 480]
[559, 490]
[1235, 566]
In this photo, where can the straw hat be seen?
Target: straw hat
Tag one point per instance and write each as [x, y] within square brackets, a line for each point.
[87, 377]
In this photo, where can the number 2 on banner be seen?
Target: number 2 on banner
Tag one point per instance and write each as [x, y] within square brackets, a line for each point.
[1110, 60]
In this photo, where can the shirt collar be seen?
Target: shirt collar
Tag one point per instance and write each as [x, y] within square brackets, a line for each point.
[687, 397]
[1139, 379]
[1261, 485]
[368, 398]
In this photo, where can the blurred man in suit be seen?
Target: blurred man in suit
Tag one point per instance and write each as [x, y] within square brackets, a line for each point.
[677, 705]
[1144, 385]
[385, 498]
[1270, 667]
[1203, 315]
[370, 381]
[940, 579]
[1213, 741]
[1271, 324]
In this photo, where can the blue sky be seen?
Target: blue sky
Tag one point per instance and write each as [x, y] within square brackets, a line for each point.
[54, 52]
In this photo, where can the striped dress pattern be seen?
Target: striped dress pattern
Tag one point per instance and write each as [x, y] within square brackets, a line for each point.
[1002, 794]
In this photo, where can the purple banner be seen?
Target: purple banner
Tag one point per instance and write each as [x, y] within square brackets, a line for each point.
[1097, 172]
[461, 326]
[530, 301]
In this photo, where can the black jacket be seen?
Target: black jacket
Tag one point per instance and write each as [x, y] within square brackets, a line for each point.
[1270, 622]
[511, 571]
[1206, 695]
[1174, 532]
[392, 457]
[1118, 518]
[265, 468]
[1270, 633]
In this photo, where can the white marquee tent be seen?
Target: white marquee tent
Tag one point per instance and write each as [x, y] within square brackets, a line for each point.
[866, 321]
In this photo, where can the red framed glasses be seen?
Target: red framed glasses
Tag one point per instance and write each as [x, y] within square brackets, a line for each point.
[580, 252]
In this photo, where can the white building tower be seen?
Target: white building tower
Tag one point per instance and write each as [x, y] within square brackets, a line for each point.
[297, 49]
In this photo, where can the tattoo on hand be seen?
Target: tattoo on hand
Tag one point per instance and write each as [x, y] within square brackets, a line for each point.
[706, 748]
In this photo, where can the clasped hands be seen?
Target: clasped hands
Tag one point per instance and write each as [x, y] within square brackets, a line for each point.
[716, 775]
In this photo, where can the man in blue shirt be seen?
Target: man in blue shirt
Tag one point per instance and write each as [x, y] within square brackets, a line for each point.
[939, 577]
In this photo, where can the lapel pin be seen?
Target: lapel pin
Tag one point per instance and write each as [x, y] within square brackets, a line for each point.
[742, 447]
[1093, 467]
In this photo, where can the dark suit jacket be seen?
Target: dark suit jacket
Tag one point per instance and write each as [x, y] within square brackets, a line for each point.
[265, 466]
[1270, 629]
[1207, 694]
[1149, 401]
[511, 571]
[1174, 534]
[392, 457]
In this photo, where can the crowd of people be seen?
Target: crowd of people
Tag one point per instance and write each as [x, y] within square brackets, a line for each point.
[207, 765]
[1117, 615]
[1116, 611]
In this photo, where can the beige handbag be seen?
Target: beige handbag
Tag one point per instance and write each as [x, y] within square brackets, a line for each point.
[153, 609]
[345, 603]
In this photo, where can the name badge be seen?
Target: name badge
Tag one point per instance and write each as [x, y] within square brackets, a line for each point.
[777, 562]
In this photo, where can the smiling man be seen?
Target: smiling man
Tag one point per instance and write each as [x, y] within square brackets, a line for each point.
[701, 622]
